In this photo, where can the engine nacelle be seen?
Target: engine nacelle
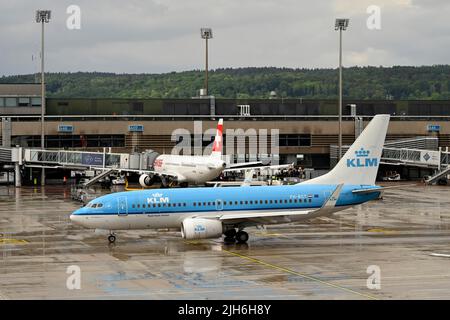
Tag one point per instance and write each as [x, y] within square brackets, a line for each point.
[145, 180]
[198, 228]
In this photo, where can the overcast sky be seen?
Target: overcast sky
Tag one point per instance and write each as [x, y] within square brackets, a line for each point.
[145, 36]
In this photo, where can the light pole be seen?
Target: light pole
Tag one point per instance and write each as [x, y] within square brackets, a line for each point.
[206, 34]
[341, 25]
[42, 17]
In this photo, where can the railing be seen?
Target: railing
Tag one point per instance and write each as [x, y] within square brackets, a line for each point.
[402, 155]
[65, 157]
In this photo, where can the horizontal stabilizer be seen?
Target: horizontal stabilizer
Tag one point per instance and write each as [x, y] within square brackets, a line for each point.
[379, 189]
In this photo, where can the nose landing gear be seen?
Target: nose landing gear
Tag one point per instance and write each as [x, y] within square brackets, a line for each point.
[111, 238]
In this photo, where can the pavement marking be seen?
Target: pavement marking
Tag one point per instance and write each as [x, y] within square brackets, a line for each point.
[440, 255]
[293, 272]
[5, 241]
[381, 230]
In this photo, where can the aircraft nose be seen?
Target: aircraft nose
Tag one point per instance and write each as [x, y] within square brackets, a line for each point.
[75, 217]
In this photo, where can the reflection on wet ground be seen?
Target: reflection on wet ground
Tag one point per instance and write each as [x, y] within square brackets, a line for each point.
[407, 235]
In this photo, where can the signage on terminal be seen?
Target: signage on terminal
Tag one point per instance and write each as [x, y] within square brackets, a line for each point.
[433, 128]
[136, 128]
[65, 128]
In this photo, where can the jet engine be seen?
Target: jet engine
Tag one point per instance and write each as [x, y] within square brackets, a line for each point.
[145, 180]
[197, 228]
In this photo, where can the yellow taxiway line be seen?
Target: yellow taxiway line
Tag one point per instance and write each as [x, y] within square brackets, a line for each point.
[279, 268]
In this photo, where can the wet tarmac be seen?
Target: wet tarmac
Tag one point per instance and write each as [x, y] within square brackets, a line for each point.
[405, 236]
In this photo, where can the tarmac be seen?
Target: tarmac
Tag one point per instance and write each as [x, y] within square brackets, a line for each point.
[395, 248]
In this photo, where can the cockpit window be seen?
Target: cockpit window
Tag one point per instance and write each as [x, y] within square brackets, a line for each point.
[99, 205]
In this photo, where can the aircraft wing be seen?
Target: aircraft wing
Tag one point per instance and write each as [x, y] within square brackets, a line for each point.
[252, 218]
[243, 165]
[151, 172]
[274, 167]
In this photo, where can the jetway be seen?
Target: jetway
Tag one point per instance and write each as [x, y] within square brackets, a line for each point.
[420, 152]
[106, 161]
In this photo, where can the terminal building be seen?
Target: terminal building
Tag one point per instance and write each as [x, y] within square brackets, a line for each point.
[307, 129]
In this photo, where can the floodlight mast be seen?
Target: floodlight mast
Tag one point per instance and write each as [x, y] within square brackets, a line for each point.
[206, 34]
[42, 17]
[341, 25]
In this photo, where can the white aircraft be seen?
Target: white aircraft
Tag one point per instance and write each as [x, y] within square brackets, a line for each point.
[186, 169]
[202, 213]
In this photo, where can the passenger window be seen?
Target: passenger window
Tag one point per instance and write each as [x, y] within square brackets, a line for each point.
[143, 206]
[271, 201]
[209, 203]
[260, 202]
[159, 205]
[154, 205]
[285, 201]
[195, 204]
[295, 200]
[310, 200]
[290, 200]
[138, 205]
[246, 202]
[235, 202]
[204, 203]
[133, 206]
[242, 202]
[276, 201]
[266, 201]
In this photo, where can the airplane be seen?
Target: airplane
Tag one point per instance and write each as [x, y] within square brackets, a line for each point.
[183, 170]
[206, 213]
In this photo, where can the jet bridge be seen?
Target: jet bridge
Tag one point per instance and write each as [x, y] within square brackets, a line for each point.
[73, 159]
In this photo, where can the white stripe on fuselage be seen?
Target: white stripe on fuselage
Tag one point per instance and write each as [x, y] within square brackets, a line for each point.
[174, 220]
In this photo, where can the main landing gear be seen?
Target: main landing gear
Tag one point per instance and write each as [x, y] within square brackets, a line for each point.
[231, 236]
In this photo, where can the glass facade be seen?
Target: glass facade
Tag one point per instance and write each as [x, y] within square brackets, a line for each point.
[71, 141]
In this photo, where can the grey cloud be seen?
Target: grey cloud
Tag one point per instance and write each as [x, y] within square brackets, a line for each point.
[162, 36]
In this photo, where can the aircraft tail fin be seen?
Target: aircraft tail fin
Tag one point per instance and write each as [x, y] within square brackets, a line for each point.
[359, 165]
[218, 141]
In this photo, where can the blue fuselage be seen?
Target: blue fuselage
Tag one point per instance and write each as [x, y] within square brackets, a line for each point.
[199, 200]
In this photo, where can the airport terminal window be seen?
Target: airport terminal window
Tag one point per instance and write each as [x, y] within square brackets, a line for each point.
[24, 102]
[36, 102]
[10, 102]
[295, 140]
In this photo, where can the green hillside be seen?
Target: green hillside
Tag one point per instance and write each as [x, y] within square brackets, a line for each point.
[426, 82]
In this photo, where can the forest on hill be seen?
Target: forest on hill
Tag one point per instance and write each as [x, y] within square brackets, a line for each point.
[398, 82]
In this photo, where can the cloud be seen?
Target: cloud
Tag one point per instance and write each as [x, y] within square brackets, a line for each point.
[163, 35]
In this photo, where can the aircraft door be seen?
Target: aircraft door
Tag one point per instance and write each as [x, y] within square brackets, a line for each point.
[122, 206]
[219, 204]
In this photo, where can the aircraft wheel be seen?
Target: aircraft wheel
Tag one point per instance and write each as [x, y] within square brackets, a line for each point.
[111, 238]
[230, 233]
[229, 240]
[242, 237]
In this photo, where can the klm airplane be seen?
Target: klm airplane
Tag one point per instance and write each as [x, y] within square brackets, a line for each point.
[202, 213]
